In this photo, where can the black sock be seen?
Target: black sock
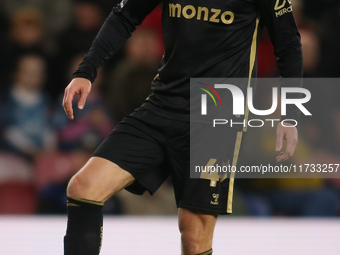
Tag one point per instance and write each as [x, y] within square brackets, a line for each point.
[209, 252]
[206, 252]
[84, 227]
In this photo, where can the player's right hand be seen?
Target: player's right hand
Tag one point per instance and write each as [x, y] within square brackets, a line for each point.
[78, 86]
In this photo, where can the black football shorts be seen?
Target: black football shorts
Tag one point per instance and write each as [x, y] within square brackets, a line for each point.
[152, 148]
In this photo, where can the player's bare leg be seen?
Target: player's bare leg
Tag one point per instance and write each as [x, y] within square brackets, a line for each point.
[197, 230]
[98, 180]
[88, 189]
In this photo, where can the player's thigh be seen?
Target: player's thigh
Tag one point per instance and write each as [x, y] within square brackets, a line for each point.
[98, 180]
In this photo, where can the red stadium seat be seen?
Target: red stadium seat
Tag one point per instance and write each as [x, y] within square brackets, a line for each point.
[17, 198]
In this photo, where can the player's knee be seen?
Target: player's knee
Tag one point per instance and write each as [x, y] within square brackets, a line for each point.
[76, 187]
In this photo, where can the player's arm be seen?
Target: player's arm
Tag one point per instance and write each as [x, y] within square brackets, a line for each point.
[278, 17]
[117, 28]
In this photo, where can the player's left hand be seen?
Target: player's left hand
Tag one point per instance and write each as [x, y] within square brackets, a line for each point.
[290, 134]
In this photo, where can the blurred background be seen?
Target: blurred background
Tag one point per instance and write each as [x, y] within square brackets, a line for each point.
[42, 43]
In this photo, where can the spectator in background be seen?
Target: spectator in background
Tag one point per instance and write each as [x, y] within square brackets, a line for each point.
[57, 14]
[76, 39]
[25, 110]
[27, 29]
[24, 35]
[129, 83]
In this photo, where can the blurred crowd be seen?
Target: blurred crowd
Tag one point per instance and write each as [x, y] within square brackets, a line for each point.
[41, 45]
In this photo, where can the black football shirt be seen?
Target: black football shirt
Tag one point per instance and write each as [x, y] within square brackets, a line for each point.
[203, 38]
